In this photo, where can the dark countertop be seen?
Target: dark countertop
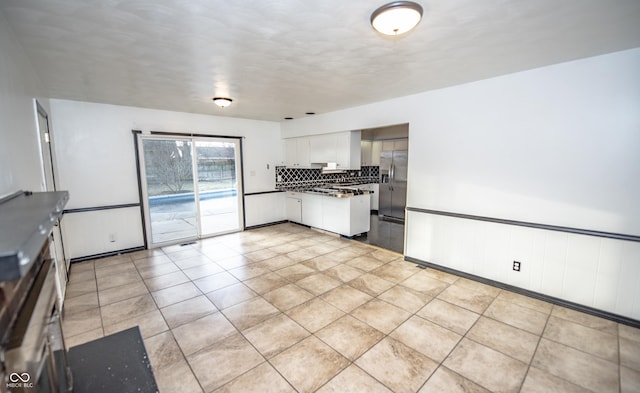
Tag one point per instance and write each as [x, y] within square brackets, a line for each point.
[26, 219]
[338, 190]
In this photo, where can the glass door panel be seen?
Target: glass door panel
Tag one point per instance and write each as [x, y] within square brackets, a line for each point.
[218, 186]
[168, 172]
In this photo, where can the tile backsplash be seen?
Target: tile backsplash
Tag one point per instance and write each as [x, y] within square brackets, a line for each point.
[287, 178]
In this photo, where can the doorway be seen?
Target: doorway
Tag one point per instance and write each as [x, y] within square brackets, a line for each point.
[387, 216]
[56, 246]
[192, 187]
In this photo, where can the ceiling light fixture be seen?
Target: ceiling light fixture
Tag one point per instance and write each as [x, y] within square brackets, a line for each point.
[222, 101]
[397, 17]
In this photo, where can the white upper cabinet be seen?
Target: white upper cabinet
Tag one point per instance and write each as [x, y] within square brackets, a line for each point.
[323, 148]
[395, 144]
[365, 149]
[296, 152]
[376, 149]
[348, 151]
[370, 152]
[343, 148]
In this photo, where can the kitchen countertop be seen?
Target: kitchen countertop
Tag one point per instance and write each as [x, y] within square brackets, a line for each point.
[26, 219]
[333, 190]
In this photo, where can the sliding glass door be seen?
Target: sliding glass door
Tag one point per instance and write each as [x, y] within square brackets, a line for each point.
[192, 187]
[218, 186]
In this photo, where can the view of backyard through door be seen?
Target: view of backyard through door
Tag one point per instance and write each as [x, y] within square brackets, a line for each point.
[191, 187]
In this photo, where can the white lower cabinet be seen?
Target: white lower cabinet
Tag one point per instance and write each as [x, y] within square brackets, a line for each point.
[334, 211]
[375, 197]
[294, 207]
[312, 213]
[358, 218]
[345, 216]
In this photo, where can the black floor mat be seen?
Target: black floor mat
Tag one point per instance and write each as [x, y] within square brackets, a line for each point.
[115, 363]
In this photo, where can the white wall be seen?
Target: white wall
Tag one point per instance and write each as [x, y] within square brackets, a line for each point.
[96, 161]
[20, 167]
[598, 272]
[558, 145]
[555, 145]
[264, 208]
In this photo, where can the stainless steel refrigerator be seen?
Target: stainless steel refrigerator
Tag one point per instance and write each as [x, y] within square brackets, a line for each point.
[393, 183]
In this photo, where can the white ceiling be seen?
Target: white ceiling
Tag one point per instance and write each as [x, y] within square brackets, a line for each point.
[287, 57]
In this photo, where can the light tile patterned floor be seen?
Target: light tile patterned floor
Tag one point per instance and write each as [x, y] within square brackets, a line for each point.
[285, 309]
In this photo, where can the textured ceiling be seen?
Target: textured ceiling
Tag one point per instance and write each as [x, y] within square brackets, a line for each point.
[287, 57]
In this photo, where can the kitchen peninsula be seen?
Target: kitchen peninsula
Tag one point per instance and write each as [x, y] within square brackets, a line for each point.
[334, 208]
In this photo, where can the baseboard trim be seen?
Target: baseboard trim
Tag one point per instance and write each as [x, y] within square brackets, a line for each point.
[536, 295]
[107, 254]
[265, 225]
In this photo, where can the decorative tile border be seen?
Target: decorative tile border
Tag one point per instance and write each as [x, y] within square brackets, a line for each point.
[287, 178]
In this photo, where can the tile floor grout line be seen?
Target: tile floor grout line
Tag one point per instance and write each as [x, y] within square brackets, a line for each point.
[583, 351]
[288, 280]
[396, 328]
[535, 351]
[311, 334]
[238, 331]
[463, 336]
[184, 356]
[170, 330]
[619, 361]
[267, 360]
[255, 348]
[440, 364]
[415, 314]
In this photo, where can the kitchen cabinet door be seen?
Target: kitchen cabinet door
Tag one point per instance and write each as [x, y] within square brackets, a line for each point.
[336, 214]
[294, 209]
[312, 213]
[374, 196]
[359, 212]
[366, 152]
[348, 150]
[322, 148]
[401, 144]
[302, 148]
[296, 153]
[290, 152]
[376, 149]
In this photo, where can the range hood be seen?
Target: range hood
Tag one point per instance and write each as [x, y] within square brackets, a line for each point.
[26, 220]
[332, 167]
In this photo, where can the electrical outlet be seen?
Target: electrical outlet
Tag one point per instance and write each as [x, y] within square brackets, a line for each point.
[516, 266]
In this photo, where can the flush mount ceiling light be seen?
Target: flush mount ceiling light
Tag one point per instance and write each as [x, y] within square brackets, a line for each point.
[397, 17]
[222, 101]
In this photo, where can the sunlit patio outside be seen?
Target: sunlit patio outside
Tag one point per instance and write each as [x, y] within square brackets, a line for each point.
[177, 220]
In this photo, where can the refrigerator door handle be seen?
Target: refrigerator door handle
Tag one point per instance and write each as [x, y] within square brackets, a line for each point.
[392, 173]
